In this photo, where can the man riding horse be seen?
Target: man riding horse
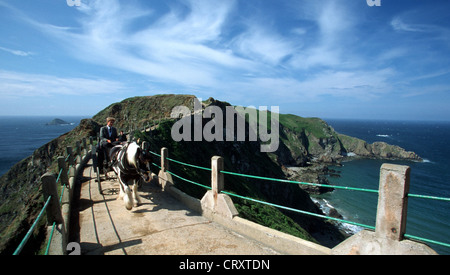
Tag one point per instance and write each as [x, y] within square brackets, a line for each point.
[128, 160]
[108, 139]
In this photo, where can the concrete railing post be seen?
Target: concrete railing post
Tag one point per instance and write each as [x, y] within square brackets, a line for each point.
[217, 180]
[49, 189]
[71, 161]
[85, 148]
[145, 145]
[54, 215]
[64, 178]
[69, 151]
[165, 179]
[91, 142]
[78, 148]
[390, 222]
[392, 202]
[214, 202]
[164, 160]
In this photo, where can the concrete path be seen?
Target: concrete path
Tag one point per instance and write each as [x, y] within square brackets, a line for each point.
[160, 225]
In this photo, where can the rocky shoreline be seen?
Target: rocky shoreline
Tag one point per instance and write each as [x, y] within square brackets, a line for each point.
[319, 174]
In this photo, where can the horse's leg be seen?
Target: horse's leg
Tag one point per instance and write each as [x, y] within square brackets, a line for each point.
[121, 186]
[127, 197]
[125, 192]
[136, 197]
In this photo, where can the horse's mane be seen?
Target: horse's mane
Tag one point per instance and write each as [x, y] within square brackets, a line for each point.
[132, 151]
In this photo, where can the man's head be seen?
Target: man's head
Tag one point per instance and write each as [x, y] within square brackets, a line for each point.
[110, 121]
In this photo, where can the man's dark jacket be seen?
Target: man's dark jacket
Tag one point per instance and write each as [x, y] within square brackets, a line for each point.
[104, 135]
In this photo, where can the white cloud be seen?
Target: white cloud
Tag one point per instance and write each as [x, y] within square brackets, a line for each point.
[332, 40]
[16, 85]
[260, 45]
[179, 46]
[363, 85]
[399, 25]
[16, 52]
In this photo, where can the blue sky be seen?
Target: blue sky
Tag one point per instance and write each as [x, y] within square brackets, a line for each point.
[321, 58]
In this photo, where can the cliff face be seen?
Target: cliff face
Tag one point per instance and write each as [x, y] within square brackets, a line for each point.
[313, 140]
[376, 150]
[309, 144]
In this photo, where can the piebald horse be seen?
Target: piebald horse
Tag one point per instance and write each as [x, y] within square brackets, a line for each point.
[130, 163]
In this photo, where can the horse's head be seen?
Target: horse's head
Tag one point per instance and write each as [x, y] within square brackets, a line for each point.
[144, 164]
[140, 160]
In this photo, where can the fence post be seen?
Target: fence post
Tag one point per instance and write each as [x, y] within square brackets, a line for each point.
[54, 215]
[62, 166]
[69, 152]
[214, 202]
[49, 189]
[390, 222]
[392, 202]
[164, 160]
[165, 179]
[145, 145]
[217, 180]
[91, 142]
[85, 148]
[78, 148]
[71, 161]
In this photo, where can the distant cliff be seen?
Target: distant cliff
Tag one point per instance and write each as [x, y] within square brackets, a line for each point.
[308, 143]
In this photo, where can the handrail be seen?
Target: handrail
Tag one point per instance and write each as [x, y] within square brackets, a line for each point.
[299, 211]
[30, 231]
[190, 165]
[32, 228]
[186, 180]
[301, 183]
[428, 197]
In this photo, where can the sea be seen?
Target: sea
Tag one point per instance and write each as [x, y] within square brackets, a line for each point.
[22, 135]
[426, 218]
[429, 219]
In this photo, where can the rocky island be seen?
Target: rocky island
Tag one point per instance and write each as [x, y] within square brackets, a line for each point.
[57, 121]
[307, 146]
